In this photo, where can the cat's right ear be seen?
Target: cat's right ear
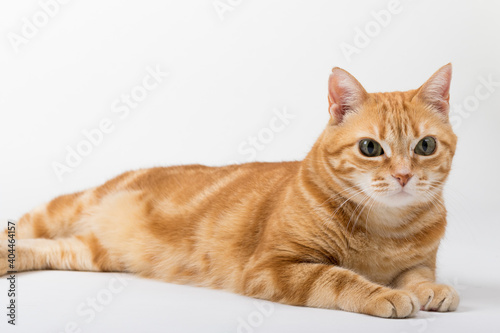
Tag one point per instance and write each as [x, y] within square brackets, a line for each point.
[345, 94]
[436, 91]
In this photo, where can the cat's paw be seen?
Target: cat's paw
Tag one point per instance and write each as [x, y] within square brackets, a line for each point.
[392, 303]
[437, 297]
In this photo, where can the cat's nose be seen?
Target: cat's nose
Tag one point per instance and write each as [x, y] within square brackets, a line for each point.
[403, 178]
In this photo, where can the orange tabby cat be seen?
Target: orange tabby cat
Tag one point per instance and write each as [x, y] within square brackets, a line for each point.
[354, 226]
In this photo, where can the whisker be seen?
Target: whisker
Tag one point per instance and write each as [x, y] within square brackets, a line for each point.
[365, 204]
[355, 210]
[338, 208]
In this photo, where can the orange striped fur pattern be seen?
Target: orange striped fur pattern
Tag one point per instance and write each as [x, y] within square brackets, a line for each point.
[345, 228]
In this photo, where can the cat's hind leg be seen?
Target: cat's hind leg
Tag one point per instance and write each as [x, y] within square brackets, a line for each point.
[82, 253]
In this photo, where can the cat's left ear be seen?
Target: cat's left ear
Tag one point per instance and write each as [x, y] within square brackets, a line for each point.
[436, 91]
[345, 94]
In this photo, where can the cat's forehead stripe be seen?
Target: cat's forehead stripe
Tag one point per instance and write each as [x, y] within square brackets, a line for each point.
[395, 122]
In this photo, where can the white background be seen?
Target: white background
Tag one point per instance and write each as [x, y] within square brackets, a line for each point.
[229, 73]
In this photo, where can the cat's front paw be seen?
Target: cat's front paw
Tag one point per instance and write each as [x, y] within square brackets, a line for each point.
[437, 297]
[392, 303]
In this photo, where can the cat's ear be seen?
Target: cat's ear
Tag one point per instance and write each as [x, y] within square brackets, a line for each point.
[436, 91]
[345, 94]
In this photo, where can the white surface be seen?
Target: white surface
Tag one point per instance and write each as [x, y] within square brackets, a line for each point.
[49, 301]
[226, 78]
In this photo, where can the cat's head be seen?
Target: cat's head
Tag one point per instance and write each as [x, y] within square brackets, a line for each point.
[393, 148]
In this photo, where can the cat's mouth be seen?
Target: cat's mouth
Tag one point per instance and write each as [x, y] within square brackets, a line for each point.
[401, 196]
[402, 193]
[398, 198]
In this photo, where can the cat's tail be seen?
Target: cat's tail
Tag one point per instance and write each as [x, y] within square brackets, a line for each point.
[55, 219]
[3, 228]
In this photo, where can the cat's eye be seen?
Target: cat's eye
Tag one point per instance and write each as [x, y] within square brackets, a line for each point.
[370, 148]
[426, 146]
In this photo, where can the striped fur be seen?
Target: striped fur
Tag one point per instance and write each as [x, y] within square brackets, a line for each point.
[330, 231]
